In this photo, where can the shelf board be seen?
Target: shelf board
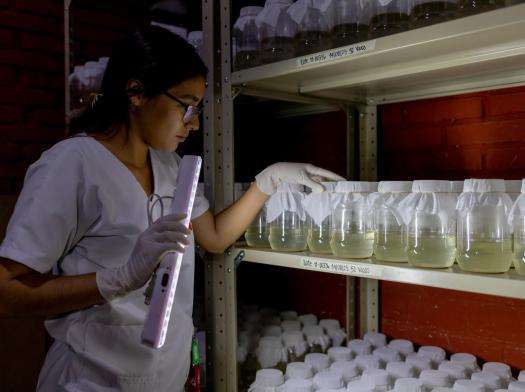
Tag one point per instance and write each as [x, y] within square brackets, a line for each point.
[479, 52]
[505, 285]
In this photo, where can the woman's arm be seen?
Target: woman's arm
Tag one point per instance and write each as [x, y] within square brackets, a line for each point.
[216, 234]
[24, 291]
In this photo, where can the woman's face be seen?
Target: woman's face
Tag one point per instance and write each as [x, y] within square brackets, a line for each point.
[160, 119]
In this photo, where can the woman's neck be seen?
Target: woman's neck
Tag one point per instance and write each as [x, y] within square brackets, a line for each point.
[127, 146]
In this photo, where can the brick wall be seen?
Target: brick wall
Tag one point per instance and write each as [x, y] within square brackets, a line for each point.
[474, 135]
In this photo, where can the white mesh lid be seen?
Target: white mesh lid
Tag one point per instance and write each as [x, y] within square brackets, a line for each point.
[250, 11]
[317, 361]
[313, 330]
[436, 354]
[291, 325]
[477, 185]
[376, 339]
[339, 354]
[457, 186]
[367, 361]
[299, 370]
[468, 386]
[489, 379]
[400, 370]
[328, 379]
[434, 186]
[359, 347]
[394, 186]
[292, 338]
[272, 330]
[269, 378]
[435, 378]
[501, 369]
[378, 377]
[270, 342]
[516, 386]
[356, 187]
[419, 362]
[297, 385]
[466, 359]
[387, 354]
[405, 347]
[308, 319]
[513, 186]
[409, 385]
[455, 370]
[348, 369]
[329, 324]
[521, 376]
[360, 386]
[287, 187]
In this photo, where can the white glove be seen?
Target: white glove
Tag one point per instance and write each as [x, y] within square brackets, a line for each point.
[167, 234]
[294, 173]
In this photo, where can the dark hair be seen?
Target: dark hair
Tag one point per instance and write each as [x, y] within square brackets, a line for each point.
[153, 56]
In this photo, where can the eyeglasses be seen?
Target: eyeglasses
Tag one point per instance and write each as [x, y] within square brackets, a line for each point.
[190, 111]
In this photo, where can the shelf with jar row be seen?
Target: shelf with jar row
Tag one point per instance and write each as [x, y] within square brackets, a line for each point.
[477, 52]
[508, 284]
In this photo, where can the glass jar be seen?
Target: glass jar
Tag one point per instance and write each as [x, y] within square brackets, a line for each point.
[484, 235]
[277, 31]
[429, 213]
[388, 17]
[517, 220]
[469, 7]
[313, 34]
[428, 12]
[390, 231]
[318, 209]
[287, 219]
[246, 39]
[352, 220]
[350, 22]
[257, 233]
[513, 189]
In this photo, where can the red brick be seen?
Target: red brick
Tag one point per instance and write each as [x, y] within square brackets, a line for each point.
[435, 111]
[41, 42]
[27, 97]
[117, 21]
[44, 8]
[6, 38]
[502, 104]
[49, 116]
[505, 158]
[30, 132]
[7, 73]
[31, 60]
[31, 152]
[413, 138]
[461, 159]
[487, 132]
[31, 22]
[10, 152]
[92, 35]
[10, 113]
[35, 78]
[391, 114]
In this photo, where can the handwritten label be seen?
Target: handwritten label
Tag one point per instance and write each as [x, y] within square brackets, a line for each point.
[337, 53]
[337, 267]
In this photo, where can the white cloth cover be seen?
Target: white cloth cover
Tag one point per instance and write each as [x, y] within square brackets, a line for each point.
[318, 205]
[247, 14]
[270, 352]
[288, 197]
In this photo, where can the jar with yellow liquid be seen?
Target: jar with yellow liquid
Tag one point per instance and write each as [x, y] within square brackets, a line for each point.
[484, 234]
[352, 220]
[318, 207]
[517, 220]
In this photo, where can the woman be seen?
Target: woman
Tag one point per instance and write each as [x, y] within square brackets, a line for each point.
[83, 210]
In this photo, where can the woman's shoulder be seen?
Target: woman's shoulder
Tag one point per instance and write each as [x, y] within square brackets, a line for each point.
[70, 151]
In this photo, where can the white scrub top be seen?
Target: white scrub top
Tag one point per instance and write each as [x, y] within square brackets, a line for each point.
[81, 210]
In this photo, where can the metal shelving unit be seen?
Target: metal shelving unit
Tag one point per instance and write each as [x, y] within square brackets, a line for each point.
[480, 52]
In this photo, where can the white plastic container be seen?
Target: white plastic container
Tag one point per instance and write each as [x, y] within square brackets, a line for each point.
[328, 379]
[299, 370]
[484, 241]
[501, 369]
[419, 363]
[455, 370]
[277, 31]
[339, 354]
[380, 378]
[360, 386]
[468, 386]
[270, 353]
[348, 369]
[297, 385]
[467, 360]
[360, 347]
[317, 340]
[318, 207]
[435, 354]
[390, 239]
[517, 386]
[272, 330]
[246, 39]
[266, 380]
[287, 219]
[490, 380]
[295, 345]
[409, 385]
[352, 220]
[435, 378]
[307, 319]
[400, 370]
[317, 361]
[517, 224]
[429, 213]
[376, 339]
[387, 355]
[291, 325]
[405, 347]
[367, 362]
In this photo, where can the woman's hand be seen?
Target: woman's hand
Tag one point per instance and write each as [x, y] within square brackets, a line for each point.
[295, 173]
[167, 234]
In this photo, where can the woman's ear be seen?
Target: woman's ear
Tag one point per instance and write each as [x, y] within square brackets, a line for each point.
[135, 91]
